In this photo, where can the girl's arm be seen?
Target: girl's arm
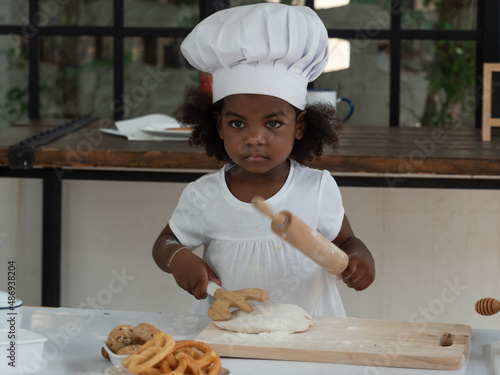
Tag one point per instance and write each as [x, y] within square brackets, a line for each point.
[360, 271]
[190, 271]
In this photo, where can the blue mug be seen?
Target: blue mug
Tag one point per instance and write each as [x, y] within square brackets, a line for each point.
[329, 96]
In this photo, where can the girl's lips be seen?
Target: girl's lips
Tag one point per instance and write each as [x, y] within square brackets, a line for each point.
[255, 158]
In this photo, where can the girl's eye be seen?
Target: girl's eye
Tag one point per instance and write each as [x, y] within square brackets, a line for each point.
[236, 124]
[273, 124]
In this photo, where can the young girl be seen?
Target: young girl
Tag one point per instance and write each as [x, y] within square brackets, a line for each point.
[261, 57]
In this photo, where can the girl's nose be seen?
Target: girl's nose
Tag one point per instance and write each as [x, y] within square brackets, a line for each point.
[256, 136]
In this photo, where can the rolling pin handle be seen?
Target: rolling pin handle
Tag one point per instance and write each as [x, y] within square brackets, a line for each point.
[263, 207]
[279, 219]
[212, 287]
[282, 225]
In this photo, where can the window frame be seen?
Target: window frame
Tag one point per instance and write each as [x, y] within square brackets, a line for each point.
[486, 36]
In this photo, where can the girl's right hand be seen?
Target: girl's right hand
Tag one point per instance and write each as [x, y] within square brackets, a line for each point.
[192, 273]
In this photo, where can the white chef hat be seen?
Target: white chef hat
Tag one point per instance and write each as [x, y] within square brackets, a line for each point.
[270, 49]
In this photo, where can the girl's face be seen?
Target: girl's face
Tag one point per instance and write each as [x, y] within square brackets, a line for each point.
[259, 131]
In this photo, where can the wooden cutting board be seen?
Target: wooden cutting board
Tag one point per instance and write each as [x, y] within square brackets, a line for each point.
[355, 341]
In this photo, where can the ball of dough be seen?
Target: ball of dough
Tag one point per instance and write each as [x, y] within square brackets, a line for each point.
[144, 332]
[128, 350]
[268, 318]
[120, 336]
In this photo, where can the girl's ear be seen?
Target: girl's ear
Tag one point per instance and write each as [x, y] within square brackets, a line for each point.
[218, 123]
[301, 125]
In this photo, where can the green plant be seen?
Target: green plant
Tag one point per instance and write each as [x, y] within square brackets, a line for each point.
[14, 103]
[451, 71]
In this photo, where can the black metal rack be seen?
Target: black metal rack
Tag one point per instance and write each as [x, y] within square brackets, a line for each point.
[486, 36]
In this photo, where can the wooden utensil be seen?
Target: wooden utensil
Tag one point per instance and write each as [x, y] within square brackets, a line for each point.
[487, 306]
[219, 310]
[304, 238]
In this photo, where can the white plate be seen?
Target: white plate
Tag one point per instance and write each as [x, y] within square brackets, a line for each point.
[170, 133]
[115, 370]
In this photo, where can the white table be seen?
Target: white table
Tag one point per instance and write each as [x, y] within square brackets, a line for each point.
[75, 338]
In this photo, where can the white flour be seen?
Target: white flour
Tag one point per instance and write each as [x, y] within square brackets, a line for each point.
[266, 337]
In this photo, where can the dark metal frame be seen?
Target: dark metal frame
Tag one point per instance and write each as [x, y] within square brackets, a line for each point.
[487, 38]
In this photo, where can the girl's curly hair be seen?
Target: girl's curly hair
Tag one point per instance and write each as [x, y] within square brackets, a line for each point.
[323, 127]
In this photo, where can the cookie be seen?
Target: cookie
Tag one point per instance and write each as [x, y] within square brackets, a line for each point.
[144, 332]
[128, 350]
[120, 336]
[104, 353]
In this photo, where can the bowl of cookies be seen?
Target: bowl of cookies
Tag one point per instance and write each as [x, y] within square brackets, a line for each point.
[124, 340]
[158, 353]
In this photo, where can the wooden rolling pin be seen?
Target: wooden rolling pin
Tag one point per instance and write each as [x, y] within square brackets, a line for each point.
[304, 238]
[487, 306]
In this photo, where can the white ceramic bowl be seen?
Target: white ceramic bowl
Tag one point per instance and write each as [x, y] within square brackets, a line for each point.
[9, 312]
[116, 359]
[26, 355]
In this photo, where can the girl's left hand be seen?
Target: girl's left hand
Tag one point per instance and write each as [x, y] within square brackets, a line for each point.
[360, 272]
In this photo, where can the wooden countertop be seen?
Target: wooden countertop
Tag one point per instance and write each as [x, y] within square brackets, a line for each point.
[373, 150]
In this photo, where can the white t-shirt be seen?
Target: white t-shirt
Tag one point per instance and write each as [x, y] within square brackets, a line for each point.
[244, 252]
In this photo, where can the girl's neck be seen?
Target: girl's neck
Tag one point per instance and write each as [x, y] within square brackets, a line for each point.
[245, 185]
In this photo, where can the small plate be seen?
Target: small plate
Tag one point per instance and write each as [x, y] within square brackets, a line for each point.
[116, 370]
[172, 132]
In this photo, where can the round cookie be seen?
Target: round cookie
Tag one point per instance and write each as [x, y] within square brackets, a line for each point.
[144, 332]
[120, 336]
[104, 353]
[128, 350]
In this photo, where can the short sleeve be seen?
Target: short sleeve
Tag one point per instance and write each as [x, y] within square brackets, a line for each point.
[331, 209]
[188, 221]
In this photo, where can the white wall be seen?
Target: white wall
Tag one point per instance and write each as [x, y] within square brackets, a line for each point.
[437, 251]
[20, 235]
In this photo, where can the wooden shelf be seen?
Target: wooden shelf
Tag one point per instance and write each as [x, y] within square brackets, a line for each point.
[363, 150]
